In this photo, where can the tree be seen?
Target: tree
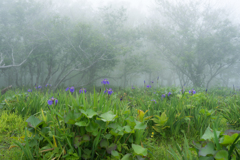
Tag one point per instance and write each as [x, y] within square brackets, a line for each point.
[126, 41]
[198, 41]
[61, 49]
[69, 50]
[13, 50]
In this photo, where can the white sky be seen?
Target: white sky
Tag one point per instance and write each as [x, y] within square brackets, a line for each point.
[232, 6]
[144, 6]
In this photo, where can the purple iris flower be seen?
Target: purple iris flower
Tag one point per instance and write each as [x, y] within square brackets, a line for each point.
[82, 90]
[189, 91]
[56, 101]
[71, 89]
[52, 100]
[144, 81]
[163, 96]
[67, 88]
[46, 85]
[154, 100]
[29, 90]
[133, 87]
[38, 87]
[193, 91]
[152, 82]
[148, 86]
[105, 81]
[169, 93]
[109, 91]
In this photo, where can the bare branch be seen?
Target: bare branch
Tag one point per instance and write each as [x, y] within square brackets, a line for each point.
[1, 60]
[14, 65]
[13, 61]
[75, 69]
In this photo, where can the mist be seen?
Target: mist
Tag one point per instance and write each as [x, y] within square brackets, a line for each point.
[80, 42]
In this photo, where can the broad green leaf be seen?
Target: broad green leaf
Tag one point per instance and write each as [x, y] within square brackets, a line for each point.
[209, 149]
[95, 133]
[140, 125]
[127, 129]
[113, 125]
[221, 155]
[70, 118]
[107, 136]
[92, 127]
[81, 123]
[141, 115]
[119, 146]
[127, 157]
[108, 116]
[116, 132]
[119, 128]
[45, 130]
[226, 139]
[139, 150]
[209, 135]
[89, 113]
[101, 124]
[115, 154]
[131, 121]
[197, 145]
[34, 122]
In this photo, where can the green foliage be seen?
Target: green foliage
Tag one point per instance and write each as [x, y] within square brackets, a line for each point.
[11, 127]
[160, 122]
[24, 103]
[231, 114]
[84, 131]
[216, 145]
[96, 125]
[184, 153]
[11, 124]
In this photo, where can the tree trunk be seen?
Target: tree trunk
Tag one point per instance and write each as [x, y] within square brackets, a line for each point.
[31, 75]
[16, 80]
[38, 74]
[48, 75]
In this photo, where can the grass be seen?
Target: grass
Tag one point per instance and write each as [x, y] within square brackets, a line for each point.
[12, 125]
[187, 113]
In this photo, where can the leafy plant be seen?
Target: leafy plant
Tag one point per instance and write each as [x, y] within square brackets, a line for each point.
[217, 145]
[84, 132]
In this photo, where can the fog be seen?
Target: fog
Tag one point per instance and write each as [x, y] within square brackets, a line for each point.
[80, 42]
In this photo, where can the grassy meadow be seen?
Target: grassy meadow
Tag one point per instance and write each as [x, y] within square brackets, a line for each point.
[150, 122]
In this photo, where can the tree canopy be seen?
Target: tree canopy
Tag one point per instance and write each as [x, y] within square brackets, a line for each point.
[199, 42]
